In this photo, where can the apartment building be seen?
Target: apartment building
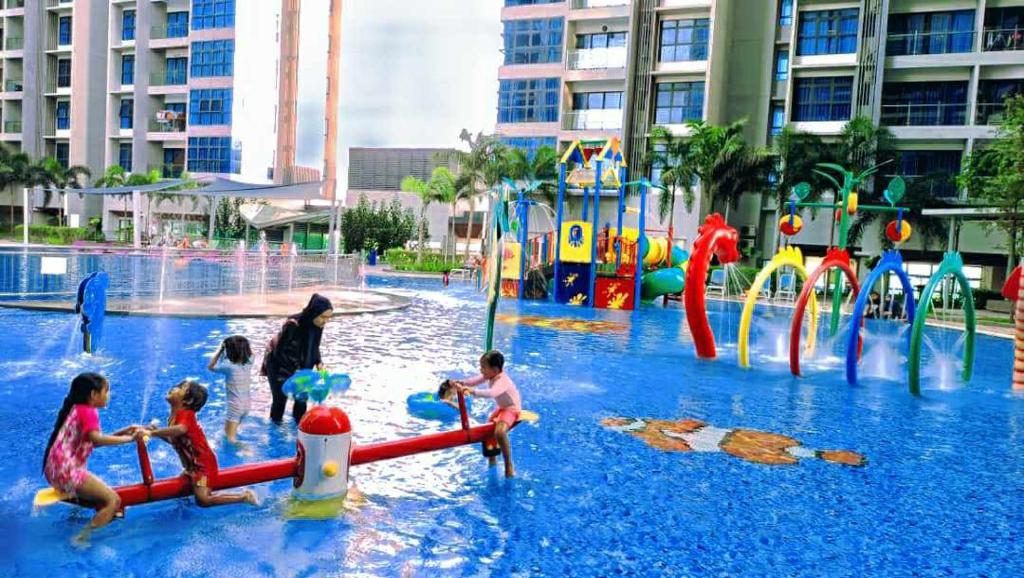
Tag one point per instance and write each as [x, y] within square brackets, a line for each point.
[165, 85]
[934, 72]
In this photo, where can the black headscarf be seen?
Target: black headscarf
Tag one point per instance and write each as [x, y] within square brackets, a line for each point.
[308, 332]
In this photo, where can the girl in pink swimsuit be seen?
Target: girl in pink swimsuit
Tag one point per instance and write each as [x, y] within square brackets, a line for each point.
[75, 433]
[505, 395]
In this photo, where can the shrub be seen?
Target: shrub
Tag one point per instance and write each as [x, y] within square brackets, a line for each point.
[53, 235]
[402, 260]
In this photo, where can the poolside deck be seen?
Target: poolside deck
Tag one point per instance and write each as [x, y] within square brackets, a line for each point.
[346, 302]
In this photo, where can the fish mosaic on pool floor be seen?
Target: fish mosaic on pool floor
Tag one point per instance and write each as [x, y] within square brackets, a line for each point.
[562, 323]
[693, 435]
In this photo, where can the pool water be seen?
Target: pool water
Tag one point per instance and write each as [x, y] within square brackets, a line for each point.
[941, 493]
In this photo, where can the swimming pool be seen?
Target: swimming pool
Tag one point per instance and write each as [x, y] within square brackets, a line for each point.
[941, 493]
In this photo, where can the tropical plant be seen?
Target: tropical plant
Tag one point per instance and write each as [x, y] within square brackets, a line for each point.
[479, 169]
[439, 188]
[994, 176]
[369, 225]
[540, 168]
[715, 156]
[53, 175]
[16, 168]
[863, 145]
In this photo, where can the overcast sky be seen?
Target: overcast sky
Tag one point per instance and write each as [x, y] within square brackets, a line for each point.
[414, 73]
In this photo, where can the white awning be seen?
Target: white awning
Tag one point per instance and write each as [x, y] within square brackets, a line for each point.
[214, 187]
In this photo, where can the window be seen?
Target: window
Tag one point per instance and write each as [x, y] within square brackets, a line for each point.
[785, 12]
[822, 98]
[63, 115]
[992, 95]
[128, 69]
[781, 65]
[533, 41]
[128, 25]
[177, 24]
[62, 152]
[937, 167]
[931, 33]
[596, 100]
[176, 71]
[64, 30]
[600, 40]
[213, 155]
[124, 156]
[924, 103]
[174, 163]
[827, 32]
[778, 116]
[678, 102]
[63, 72]
[528, 2]
[209, 107]
[1004, 28]
[126, 112]
[684, 40]
[213, 58]
[659, 163]
[529, 144]
[528, 100]
[213, 14]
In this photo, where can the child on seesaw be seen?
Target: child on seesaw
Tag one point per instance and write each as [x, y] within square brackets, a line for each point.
[75, 433]
[186, 436]
[505, 395]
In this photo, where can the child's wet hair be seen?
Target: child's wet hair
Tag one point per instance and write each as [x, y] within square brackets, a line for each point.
[195, 397]
[493, 359]
[238, 350]
[446, 387]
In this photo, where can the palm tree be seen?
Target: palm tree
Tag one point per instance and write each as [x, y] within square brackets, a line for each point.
[15, 168]
[717, 157]
[540, 168]
[54, 175]
[439, 188]
[481, 168]
[798, 154]
[862, 145]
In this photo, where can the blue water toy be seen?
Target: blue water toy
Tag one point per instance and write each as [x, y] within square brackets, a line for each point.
[426, 405]
[315, 385]
[91, 305]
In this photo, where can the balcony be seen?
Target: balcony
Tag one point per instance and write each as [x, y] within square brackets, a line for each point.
[164, 79]
[921, 43]
[1003, 39]
[594, 119]
[171, 127]
[14, 85]
[11, 4]
[171, 33]
[990, 113]
[14, 43]
[597, 58]
[924, 114]
[12, 127]
[584, 4]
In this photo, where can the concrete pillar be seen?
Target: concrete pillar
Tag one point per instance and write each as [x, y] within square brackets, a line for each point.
[25, 212]
[214, 200]
[136, 221]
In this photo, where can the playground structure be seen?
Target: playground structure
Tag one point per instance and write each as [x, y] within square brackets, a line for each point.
[606, 269]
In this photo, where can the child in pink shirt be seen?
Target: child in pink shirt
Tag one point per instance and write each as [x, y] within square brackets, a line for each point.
[505, 395]
[74, 435]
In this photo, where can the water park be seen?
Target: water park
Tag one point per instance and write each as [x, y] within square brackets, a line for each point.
[788, 428]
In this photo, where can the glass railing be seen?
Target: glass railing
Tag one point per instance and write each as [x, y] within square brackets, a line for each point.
[924, 114]
[596, 119]
[172, 126]
[14, 43]
[161, 32]
[918, 43]
[597, 58]
[580, 4]
[164, 79]
[990, 113]
[12, 126]
[14, 85]
[1002, 39]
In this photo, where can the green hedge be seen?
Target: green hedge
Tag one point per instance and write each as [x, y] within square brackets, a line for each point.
[53, 235]
[402, 260]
